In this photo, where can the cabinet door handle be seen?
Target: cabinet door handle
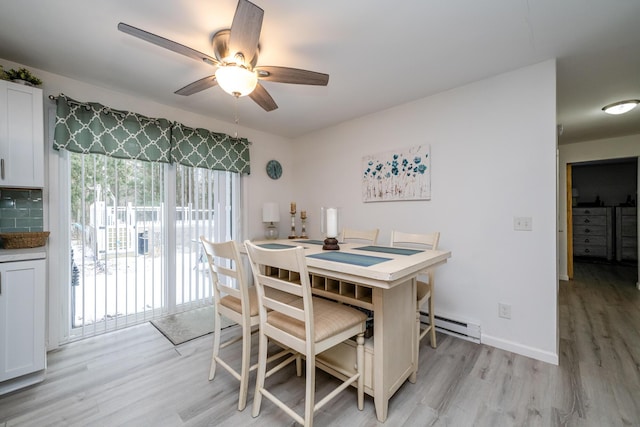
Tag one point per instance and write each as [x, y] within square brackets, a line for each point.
[586, 221]
[586, 251]
[2, 168]
[586, 240]
[586, 230]
[587, 211]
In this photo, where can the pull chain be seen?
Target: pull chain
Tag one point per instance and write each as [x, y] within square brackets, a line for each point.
[236, 117]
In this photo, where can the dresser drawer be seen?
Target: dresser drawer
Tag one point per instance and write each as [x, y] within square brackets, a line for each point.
[587, 240]
[628, 254]
[589, 230]
[591, 211]
[589, 220]
[590, 250]
[629, 242]
[626, 232]
[628, 226]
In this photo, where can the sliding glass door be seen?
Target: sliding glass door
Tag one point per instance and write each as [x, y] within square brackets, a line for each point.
[134, 241]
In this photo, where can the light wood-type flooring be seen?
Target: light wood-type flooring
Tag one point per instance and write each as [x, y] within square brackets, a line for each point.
[136, 377]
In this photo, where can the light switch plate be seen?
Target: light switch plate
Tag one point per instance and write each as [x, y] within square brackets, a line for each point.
[522, 223]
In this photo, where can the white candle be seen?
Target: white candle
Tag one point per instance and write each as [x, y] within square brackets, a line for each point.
[332, 222]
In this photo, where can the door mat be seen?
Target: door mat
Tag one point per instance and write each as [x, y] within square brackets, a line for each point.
[188, 325]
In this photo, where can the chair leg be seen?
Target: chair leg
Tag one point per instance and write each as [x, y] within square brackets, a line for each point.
[244, 372]
[216, 344]
[360, 362]
[298, 365]
[310, 390]
[432, 320]
[262, 369]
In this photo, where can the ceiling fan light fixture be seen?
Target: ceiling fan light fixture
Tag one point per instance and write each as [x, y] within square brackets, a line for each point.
[236, 80]
[621, 107]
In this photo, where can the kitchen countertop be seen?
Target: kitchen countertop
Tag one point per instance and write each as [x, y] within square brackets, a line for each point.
[8, 255]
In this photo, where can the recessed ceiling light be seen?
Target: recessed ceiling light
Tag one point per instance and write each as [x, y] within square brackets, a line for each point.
[621, 107]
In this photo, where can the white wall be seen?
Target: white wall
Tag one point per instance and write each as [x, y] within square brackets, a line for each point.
[493, 157]
[601, 149]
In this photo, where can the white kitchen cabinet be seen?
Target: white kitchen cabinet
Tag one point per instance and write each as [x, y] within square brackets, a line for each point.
[22, 323]
[21, 136]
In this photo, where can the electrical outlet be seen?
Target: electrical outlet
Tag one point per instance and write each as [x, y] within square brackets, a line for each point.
[504, 310]
[522, 223]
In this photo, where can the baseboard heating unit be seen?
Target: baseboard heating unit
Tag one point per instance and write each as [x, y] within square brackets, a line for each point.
[461, 329]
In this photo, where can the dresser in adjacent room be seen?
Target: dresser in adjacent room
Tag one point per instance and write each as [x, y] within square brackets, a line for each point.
[626, 234]
[593, 232]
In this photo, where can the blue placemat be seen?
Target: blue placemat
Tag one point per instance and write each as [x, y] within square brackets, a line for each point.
[348, 258]
[387, 250]
[275, 246]
[311, 242]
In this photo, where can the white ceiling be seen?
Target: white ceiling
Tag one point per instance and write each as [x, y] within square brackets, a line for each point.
[378, 54]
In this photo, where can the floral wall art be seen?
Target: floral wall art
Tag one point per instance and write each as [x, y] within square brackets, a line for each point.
[402, 174]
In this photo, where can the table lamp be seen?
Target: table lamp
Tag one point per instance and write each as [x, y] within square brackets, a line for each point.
[270, 214]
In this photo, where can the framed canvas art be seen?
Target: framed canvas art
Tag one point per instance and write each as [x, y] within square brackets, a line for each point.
[402, 174]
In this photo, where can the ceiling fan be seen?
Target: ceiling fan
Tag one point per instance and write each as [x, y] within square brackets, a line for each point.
[236, 55]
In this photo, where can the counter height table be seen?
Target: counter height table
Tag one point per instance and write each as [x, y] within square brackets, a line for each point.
[380, 279]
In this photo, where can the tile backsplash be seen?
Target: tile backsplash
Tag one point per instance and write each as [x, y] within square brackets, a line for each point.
[20, 210]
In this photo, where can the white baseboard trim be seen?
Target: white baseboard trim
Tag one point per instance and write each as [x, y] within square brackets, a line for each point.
[524, 350]
[563, 277]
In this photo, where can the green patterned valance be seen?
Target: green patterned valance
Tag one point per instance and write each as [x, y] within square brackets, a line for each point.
[93, 128]
[206, 149]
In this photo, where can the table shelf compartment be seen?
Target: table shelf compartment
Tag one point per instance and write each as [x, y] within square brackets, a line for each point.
[294, 277]
[348, 289]
[283, 274]
[317, 282]
[332, 285]
[364, 293]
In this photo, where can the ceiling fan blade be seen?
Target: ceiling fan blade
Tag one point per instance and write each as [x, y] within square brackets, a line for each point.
[167, 44]
[262, 98]
[245, 29]
[197, 86]
[292, 75]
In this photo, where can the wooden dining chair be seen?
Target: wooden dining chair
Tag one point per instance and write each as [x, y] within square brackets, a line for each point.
[308, 325]
[369, 236]
[238, 302]
[424, 288]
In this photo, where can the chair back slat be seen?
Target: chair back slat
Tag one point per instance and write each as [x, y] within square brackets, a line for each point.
[283, 285]
[284, 308]
[227, 272]
[428, 240]
[371, 236]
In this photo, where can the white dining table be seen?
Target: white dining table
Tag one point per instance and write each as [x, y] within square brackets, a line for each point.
[381, 279]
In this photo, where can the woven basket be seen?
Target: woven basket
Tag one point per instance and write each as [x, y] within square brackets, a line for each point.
[31, 239]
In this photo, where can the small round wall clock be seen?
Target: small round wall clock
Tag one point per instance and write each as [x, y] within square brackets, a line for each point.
[274, 169]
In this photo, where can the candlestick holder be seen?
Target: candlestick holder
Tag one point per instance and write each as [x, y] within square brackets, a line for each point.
[329, 225]
[330, 244]
[292, 234]
[303, 232]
